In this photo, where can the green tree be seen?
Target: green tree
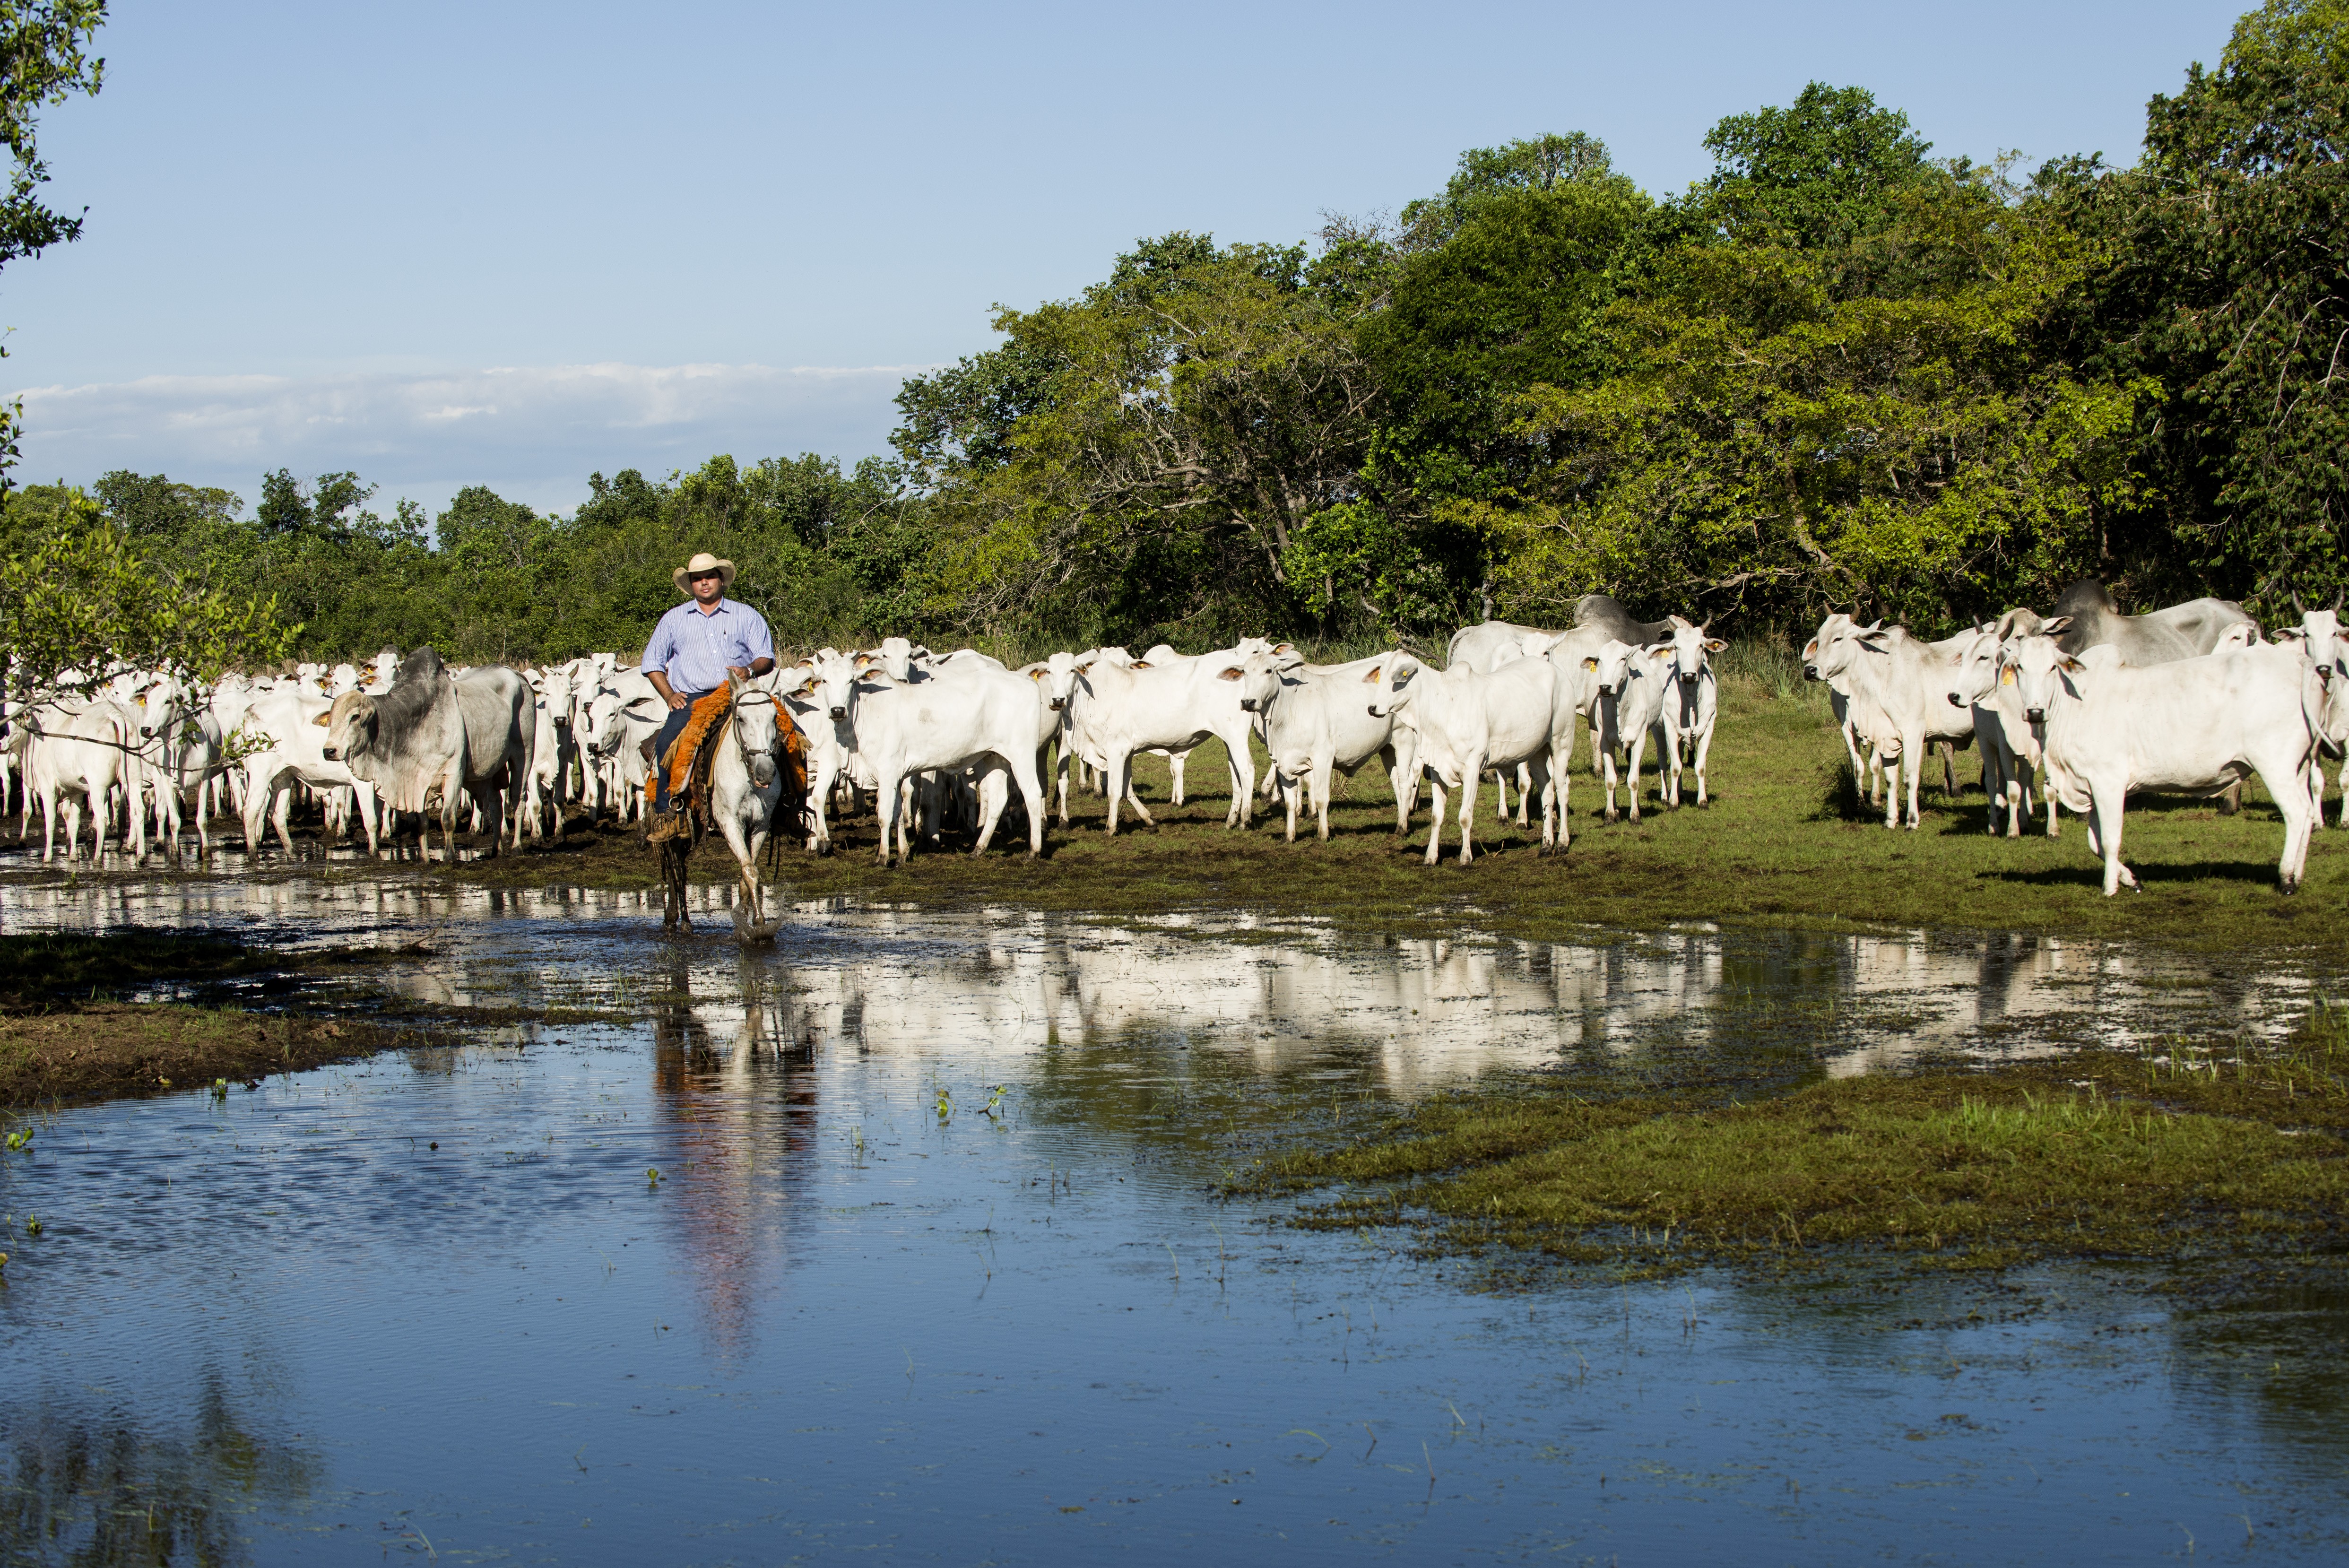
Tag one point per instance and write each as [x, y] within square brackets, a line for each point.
[2220, 276]
[1210, 402]
[1829, 398]
[1500, 288]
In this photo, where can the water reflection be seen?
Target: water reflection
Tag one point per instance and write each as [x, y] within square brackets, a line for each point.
[115, 1485]
[738, 1094]
[1431, 1013]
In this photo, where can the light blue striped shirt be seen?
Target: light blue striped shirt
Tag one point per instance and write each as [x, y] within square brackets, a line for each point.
[695, 649]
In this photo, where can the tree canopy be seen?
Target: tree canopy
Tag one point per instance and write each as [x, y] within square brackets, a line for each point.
[1839, 371]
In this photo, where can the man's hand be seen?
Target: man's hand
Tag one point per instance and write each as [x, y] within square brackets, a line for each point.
[660, 685]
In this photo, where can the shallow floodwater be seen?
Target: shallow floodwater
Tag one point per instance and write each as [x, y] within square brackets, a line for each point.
[932, 1268]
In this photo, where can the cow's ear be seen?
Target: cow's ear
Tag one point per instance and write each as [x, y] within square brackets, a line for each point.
[1716, 646]
[1372, 678]
[2005, 674]
[1037, 674]
[1139, 664]
[1589, 663]
[2054, 625]
[2289, 634]
[1228, 673]
[2073, 666]
[323, 720]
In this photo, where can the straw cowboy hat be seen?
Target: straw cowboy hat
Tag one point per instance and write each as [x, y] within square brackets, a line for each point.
[705, 562]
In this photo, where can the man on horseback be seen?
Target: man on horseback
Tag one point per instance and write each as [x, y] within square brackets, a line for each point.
[694, 650]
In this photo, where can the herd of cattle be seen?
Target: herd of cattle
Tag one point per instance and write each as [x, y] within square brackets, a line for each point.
[2095, 703]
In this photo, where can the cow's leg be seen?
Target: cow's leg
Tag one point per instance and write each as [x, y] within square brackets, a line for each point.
[49, 824]
[2230, 800]
[1435, 823]
[2106, 807]
[1892, 776]
[886, 804]
[1324, 763]
[1032, 798]
[1290, 790]
[1609, 752]
[1632, 755]
[1468, 811]
[1243, 763]
[1704, 750]
[1115, 763]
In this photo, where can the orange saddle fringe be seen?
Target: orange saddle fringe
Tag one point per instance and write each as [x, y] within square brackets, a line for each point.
[707, 713]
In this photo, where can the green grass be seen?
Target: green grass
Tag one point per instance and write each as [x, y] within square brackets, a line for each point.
[2182, 1153]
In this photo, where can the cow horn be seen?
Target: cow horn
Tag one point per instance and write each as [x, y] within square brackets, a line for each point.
[2297, 607]
[2336, 601]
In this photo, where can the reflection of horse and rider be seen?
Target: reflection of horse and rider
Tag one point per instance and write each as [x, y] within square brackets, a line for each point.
[715, 761]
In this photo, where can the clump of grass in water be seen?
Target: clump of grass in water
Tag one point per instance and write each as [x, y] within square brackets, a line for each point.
[1949, 1168]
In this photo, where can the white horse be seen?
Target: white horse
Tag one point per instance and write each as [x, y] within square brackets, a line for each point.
[745, 781]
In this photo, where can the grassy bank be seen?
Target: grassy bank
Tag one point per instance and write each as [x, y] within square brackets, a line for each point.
[2182, 1154]
[66, 1036]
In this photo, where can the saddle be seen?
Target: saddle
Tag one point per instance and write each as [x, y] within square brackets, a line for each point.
[690, 756]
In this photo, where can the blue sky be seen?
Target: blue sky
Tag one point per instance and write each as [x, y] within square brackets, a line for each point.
[512, 243]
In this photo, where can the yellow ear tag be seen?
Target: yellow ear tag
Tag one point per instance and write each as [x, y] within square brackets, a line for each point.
[2006, 675]
[1590, 664]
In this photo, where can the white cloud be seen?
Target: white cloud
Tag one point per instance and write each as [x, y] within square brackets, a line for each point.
[533, 433]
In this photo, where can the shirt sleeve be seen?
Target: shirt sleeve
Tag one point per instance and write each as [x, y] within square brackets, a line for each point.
[661, 649]
[758, 643]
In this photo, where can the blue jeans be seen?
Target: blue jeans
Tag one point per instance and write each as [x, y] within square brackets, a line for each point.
[671, 728]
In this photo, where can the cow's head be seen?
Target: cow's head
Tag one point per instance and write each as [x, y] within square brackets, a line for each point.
[1820, 641]
[898, 657]
[349, 725]
[2319, 636]
[1977, 672]
[1058, 676]
[829, 683]
[161, 702]
[2040, 673]
[1690, 647]
[1392, 681]
[1260, 675]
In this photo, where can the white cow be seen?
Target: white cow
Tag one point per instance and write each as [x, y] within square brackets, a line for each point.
[1634, 685]
[1692, 706]
[2195, 726]
[1469, 721]
[2318, 638]
[292, 750]
[79, 754]
[554, 751]
[2010, 743]
[950, 722]
[1117, 711]
[1900, 691]
[1316, 723]
[181, 742]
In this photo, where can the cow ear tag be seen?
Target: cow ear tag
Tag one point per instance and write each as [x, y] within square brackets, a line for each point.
[2006, 675]
[1590, 664]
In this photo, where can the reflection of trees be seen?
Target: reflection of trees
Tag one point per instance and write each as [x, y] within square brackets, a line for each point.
[91, 1488]
[2265, 1368]
[743, 1104]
